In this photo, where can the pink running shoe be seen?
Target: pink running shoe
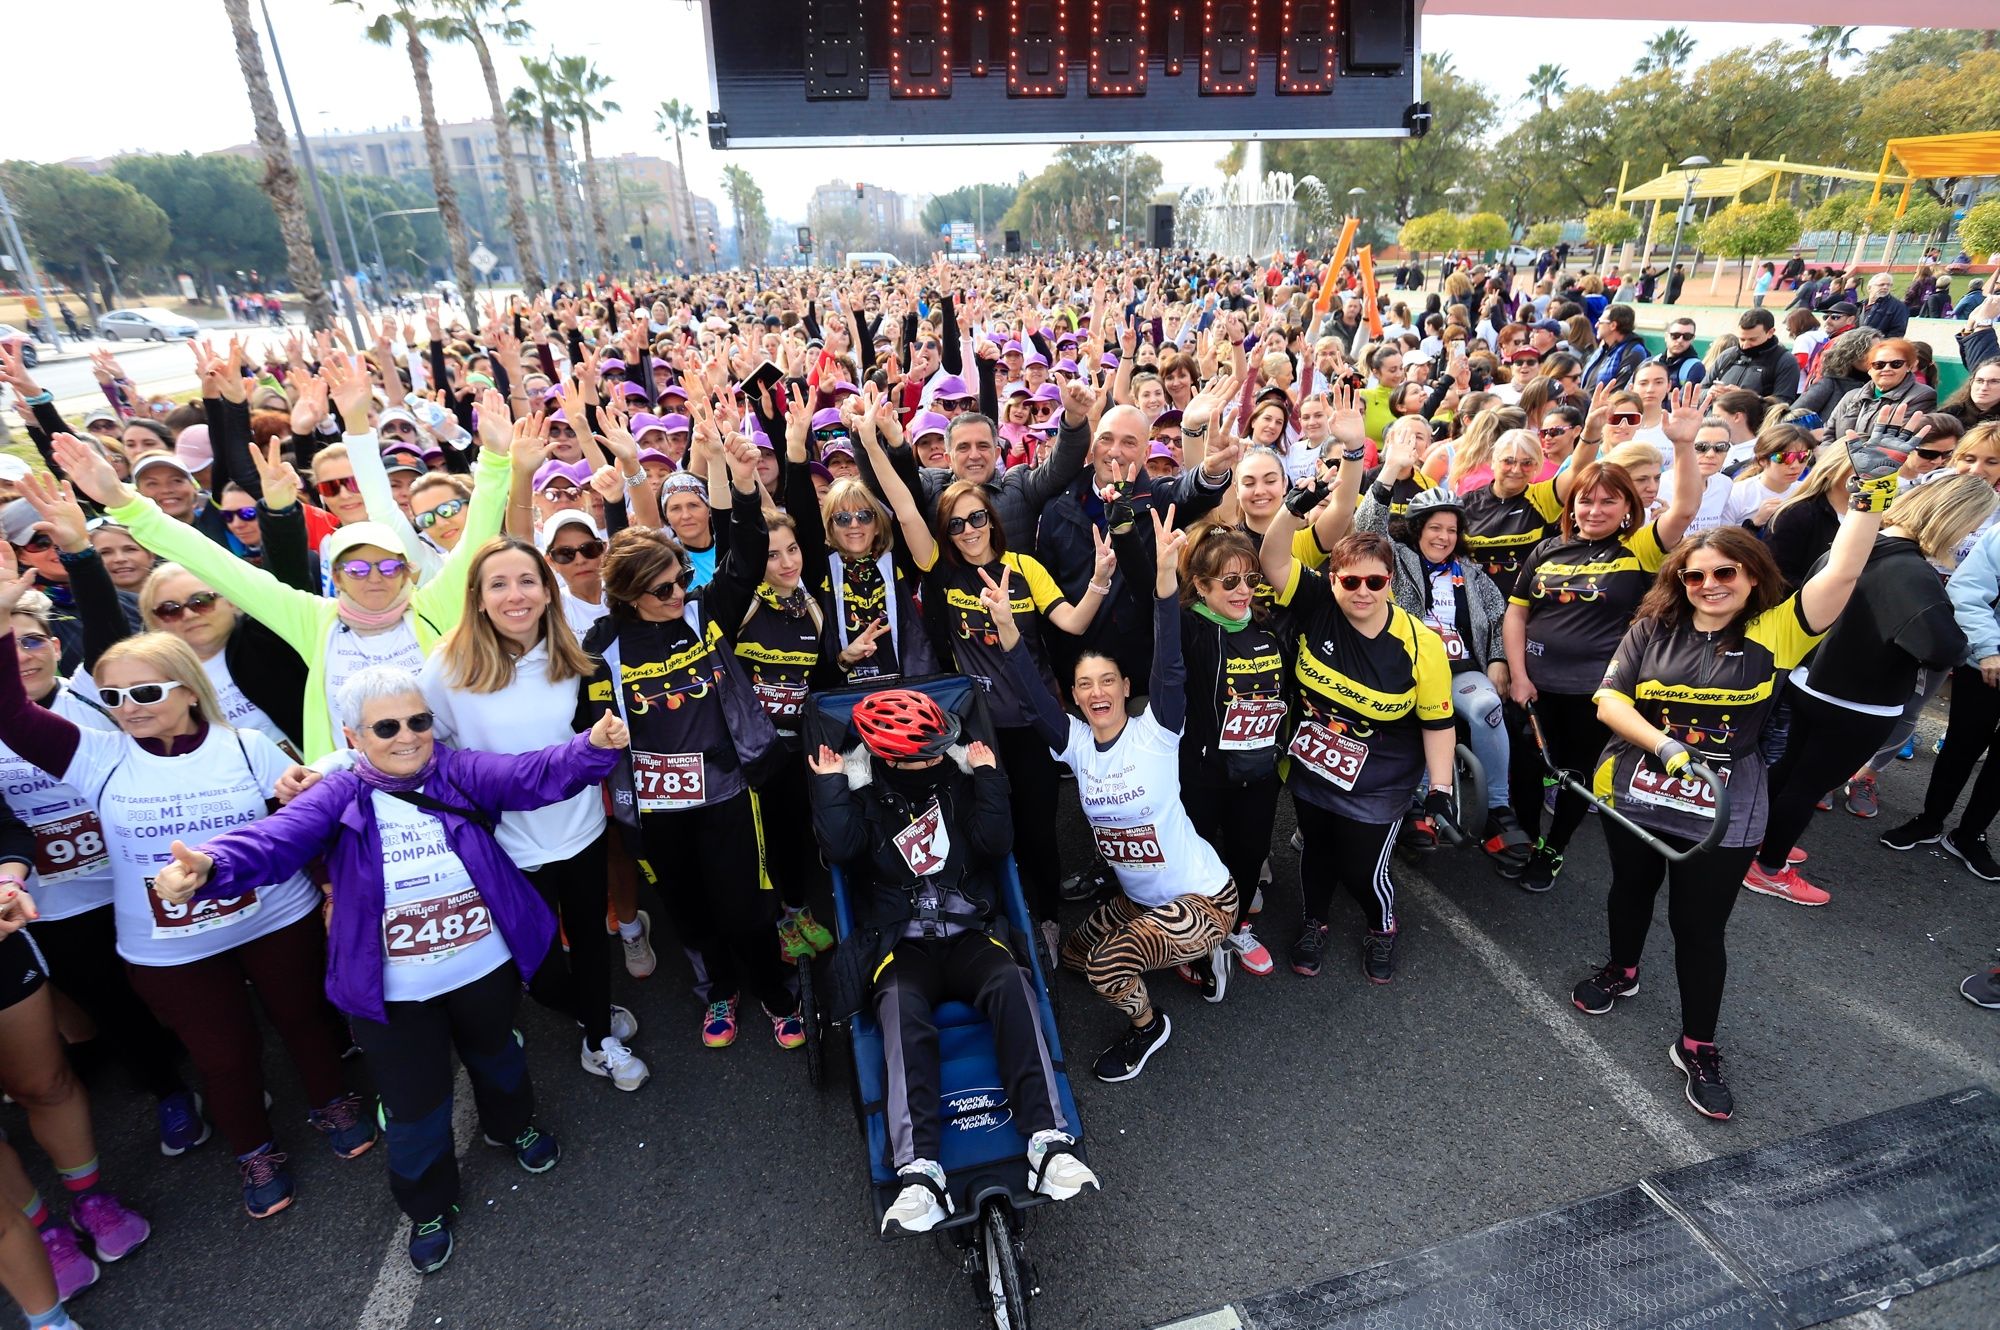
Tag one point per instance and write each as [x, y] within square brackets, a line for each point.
[114, 1229]
[75, 1271]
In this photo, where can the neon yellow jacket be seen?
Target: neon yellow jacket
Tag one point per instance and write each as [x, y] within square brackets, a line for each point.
[303, 619]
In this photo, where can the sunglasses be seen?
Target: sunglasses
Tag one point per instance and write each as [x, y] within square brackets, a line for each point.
[1355, 581]
[959, 403]
[1793, 458]
[1680, 337]
[666, 589]
[1722, 575]
[1555, 431]
[360, 568]
[559, 430]
[855, 517]
[170, 611]
[36, 543]
[1711, 447]
[560, 493]
[391, 727]
[329, 488]
[1887, 364]
[583, 549]
[1932, 454]
[1625, 417]
[1230, 581]
[142, 694]
[956, 526]
[449, 508]
[32, 641]
[828, 433]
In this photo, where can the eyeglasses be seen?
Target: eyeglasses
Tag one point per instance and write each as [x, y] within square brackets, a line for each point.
[1230, 581]
[32, 641]
[170, 611]
[1793, 458]
[1932, 454]
[958, 403]
[329, 488]
[1711, 447]
[390, 727]
[666, 589]
[583, 549]
[360, 568]
[560, 493]
[855, 517]
[36, 544]
[448, 509]
[1518, 463]
[1355, 581]
[141, 694]
[1887, 364]
[1722, 574]
[1555, 431]
[1625, 417]
[956, 526]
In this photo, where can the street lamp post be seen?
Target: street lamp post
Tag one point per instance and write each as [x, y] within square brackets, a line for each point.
[28, 271]
[312, 173]
[1691, 172]
[340, 176]
[1117, 223]
[381, 268]
[1604, 250]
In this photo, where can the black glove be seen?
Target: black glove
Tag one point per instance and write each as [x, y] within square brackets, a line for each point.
[1881, 453]
[1119, 512]
[1673, 756]
[1438, 804]
[1300, 500]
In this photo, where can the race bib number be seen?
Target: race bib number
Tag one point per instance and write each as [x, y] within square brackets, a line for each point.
[1454, 645]
[1251, 722]
[69, 847]
[1130, 847]
[924, 844]
[197, 916]
[781, 701]
[424, 931]
[1334, 758]
[667, 782]
[1683, 794]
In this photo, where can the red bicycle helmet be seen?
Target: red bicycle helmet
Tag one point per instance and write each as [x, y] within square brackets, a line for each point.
[902, 725]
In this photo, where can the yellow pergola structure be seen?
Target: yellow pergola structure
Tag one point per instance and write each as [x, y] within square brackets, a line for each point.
[1737, 176]
[1937, 157]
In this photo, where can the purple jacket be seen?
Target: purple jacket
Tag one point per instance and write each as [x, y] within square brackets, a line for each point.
[335, 820]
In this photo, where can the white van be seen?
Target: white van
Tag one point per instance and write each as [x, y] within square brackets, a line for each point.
[871, 260]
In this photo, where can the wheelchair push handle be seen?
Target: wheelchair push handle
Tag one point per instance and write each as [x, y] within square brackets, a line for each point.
[1696, 769]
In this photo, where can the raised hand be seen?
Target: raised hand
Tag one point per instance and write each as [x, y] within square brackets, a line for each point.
[998, 600]
[62, 516]
[496, 431]
[183, 876]
[1684, 415]
[609, 482]
[15, 582]
[1105, 560]
[1349, 421]
[978, 754]
[615, 432]
[825, 762]
[1168, 543]
[89, 469]
[863, 645]
[742, 457]
[310, 408]
[528, 447]
[1078, 401]
[347, 382]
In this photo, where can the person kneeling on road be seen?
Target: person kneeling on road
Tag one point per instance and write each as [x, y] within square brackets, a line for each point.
[921, 825]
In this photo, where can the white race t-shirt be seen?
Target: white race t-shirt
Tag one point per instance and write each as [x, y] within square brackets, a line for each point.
[72, 869]
[349, 652]
[147, 802]
[239, 710]
[1746, 497]
[437, 932]
[1131, 795]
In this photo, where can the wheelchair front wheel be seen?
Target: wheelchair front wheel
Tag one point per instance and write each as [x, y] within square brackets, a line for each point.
[1007, 1288]
[809, 1016]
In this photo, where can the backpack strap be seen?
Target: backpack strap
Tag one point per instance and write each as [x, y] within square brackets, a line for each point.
[418, 799]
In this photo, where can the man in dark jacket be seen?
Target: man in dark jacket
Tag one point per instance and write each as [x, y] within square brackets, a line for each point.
[1618, 354]
[919, 823]
[1683, 362]
[1759, 361]
[1885, 312]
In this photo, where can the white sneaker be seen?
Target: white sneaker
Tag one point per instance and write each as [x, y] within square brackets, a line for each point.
[918, 1208]
[615, 1062]
[1055, 1174]
[624, 1024]
[639, 958]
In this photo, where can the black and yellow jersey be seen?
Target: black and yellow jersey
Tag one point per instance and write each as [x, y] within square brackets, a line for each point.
[1580, 595]
[1400, 493]
[1501, 533]
[969, 628]
[1305, 550]
[1363, 703]
[781, 644]
[1712, 692]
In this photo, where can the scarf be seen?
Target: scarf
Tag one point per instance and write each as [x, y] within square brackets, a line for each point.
[1228, 624]
[376, 779]
[357, 617]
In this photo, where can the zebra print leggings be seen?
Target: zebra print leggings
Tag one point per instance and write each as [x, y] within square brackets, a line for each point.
[1122, 940]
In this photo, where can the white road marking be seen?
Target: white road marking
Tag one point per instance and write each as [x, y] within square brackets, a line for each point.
[396, 1280]
[1944, 1050]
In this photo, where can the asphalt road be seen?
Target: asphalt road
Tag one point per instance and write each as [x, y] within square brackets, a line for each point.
[1298, 1130]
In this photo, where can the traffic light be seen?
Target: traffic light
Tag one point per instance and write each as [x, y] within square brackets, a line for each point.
[859, 190]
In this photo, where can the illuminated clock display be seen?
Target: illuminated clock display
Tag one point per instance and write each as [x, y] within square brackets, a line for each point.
[919, 48]
[1118, 31]
[1306, 48]
[1038, 48]
[1228, 47]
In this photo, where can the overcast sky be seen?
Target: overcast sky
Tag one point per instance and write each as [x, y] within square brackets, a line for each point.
[186, 94]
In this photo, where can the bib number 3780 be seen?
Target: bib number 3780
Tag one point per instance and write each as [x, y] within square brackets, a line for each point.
[1334, 758]
[667, 782]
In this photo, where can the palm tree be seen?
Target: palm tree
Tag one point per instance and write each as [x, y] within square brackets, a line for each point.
[524, 114]
[1668, 51]
[550, 113]
[746, 200]
[1548, 81]
[281, 179]
[1832, 42]
[681, 120]
[583, 84]
[472, 21]
[383, 29]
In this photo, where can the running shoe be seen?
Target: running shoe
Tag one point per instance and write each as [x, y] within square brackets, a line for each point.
[1251, 954]
[267, 1183]
[640, 962]
[347, 1125]
[1825, 802]
[812, 930]
[1785, 884]
[74, 1270]
[1908, 751]
[1299, 841]
[1541, 870]
[789, 1031]
[921, 1205]
[1087, 884]
[1703, 1068]
[1911, 834]
[1937, 745]
[624, 1025]
[1862, 799]
[1257, 900]
[1055, 1172]
[1310, 949]
[793, 943]
[613, 1061]
[533, 1149]
[181, 1125]
[112, 1228]
[1127, 1058]
[718, 1025]
[1982, 988]
[1378, 956]
[1971, 851]
[1211, 973]
[430, 1243]
[1795, 856]
[1599, 993]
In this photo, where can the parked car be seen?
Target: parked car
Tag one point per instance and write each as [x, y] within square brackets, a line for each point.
[1520, 256]
[149, 324]
[21, 344]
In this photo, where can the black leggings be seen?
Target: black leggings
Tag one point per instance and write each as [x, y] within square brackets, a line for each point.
[722, 904]
[1354, 852]
[1700, 895]
[1972, 724]
[1237, 821]
[578, 984]
[1032, 779]
[1576, 738]
[784, 813]
[82, 955]
[1826, 744]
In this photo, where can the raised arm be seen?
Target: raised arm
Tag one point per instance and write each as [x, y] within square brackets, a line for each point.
[1044, 712]
[1681, 425]
[917, 536]
[97, 603]
[36, 733]
[1168, 686]
[1826, 592]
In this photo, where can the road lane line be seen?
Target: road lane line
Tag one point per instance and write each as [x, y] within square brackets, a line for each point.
[396, 1280]
[1944, 1050]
